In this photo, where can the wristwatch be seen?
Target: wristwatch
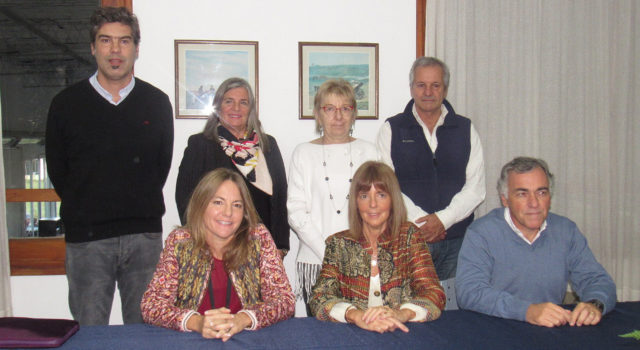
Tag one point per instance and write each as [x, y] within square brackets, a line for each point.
[597, 303]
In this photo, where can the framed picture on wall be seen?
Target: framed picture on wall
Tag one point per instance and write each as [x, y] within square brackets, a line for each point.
[357, 63]
[202, 65]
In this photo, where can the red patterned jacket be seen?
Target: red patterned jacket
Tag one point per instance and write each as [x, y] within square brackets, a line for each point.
[407, 274]
[183, 272]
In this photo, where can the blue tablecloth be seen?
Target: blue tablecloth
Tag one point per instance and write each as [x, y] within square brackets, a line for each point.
[453, 330]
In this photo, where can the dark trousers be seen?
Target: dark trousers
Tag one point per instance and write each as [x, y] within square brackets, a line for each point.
[94, 268]
[445, 260]
[445, 257]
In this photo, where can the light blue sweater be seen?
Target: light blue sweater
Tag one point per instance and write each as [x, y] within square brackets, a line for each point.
[499, 274]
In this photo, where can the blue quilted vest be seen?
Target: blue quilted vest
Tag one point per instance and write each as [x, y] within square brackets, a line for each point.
[431, 180]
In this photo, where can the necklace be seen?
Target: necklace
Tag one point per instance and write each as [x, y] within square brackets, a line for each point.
[374, 252]
[326, 179]
[375, 269]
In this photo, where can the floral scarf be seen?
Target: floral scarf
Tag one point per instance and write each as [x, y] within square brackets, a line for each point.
[244, 152]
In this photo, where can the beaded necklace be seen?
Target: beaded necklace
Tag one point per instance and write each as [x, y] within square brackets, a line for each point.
[326, 179]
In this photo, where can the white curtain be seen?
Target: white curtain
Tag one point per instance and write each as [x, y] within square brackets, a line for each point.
[558, 80]
[5, 284]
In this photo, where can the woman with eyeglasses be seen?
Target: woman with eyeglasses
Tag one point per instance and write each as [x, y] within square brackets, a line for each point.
[233, 138]
[319, 178]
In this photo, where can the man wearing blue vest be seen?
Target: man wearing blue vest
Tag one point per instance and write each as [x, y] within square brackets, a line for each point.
[437, 157]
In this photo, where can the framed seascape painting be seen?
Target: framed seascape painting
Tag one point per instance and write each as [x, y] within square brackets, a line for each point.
[356, 63]
[202, 65]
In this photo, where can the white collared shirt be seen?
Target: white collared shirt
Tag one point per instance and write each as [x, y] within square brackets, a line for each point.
[124, 92]
[507, 217]
[472, 193]
[432, 140]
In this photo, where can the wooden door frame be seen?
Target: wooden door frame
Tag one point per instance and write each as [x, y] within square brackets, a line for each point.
[421, 20]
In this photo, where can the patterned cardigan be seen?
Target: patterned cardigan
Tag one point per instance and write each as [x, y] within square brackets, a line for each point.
[182, 275]
[407, 274]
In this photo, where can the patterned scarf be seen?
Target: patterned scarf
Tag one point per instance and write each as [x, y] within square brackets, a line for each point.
[244, 153]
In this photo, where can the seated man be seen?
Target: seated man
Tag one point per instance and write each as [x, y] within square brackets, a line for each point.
[515, 261]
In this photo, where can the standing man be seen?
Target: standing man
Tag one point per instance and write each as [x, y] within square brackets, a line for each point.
[109, 143]
[515, 262]
[437, 157]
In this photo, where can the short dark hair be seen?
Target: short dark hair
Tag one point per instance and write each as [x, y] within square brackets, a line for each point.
[521, 165]
[112, 15]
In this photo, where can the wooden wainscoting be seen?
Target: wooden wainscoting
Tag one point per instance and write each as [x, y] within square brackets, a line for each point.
[34, 255]
[37, 256]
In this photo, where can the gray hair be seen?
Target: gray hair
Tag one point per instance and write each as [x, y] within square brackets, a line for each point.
[522, 165]
[253, 123]
[430, 62]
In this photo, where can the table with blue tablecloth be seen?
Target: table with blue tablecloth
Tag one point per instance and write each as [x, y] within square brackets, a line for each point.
[453, 330]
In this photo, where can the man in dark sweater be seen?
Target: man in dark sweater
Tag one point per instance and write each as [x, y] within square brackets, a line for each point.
[437, 157]
[109, 144]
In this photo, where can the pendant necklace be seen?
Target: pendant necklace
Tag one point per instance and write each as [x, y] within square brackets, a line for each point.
[326, 179]
[374, 253]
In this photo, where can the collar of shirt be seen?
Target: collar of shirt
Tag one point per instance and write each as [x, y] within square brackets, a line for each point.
[107, 96]
[507, 217]
[432, 140]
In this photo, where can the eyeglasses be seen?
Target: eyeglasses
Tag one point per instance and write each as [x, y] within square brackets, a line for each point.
[331, 109]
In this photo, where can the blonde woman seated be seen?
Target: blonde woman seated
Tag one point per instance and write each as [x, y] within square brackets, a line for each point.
[221, 272]
[377, 274]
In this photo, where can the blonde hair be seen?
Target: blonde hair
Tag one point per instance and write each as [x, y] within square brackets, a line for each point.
[237, 250]
[338, 87]
[383, 179]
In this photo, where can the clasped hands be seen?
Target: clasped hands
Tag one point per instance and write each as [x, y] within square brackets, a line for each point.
[433, 229]
[380, 318]
[220, 323]
[552, 315]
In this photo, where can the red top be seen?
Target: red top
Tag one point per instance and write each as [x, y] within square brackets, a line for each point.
[219, 278]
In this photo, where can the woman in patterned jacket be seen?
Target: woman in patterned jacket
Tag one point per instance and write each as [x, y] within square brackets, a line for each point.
[377, 274]
[220, 273]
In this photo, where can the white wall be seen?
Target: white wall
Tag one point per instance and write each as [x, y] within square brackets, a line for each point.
[278, 26]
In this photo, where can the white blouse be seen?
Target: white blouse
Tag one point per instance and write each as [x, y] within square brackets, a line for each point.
[312, 214]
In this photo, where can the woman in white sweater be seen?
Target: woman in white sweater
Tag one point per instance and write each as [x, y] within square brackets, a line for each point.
[319, 178]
